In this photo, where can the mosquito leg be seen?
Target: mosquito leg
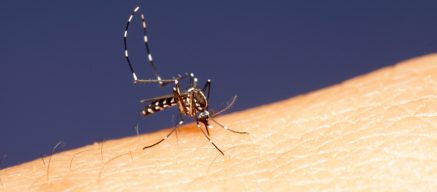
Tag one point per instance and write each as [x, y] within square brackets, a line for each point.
[146, 43]
[193, 80]
[228, 106]
[226, 128]
[163, 82]
[166, 81]
[179, 77]
[191, 99]
[181, 120]
[126, 55]
[206, 126]
[180, 101]
[179, 123]
[209, 139]
[166, 137]
[207, 89]
[149, 54]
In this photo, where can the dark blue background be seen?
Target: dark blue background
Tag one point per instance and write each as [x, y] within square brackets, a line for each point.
[63, 76]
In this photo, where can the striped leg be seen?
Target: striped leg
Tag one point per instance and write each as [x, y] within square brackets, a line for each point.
[207, 126]
[149, 55]
[207, 89]
[228, 106]
[178, 97]
[126, 55]
[226, 127]
[193, 81]
[166, 137]
[209, 139]
[180, 122]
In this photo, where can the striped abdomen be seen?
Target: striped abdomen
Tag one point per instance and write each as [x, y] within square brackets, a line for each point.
[159, 105]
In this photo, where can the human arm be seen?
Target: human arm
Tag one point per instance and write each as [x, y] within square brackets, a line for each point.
[374, 132]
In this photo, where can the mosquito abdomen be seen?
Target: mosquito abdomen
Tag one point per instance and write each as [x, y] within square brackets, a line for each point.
[159, 105]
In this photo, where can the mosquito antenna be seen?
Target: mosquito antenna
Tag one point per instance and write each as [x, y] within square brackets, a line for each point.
[230, 104]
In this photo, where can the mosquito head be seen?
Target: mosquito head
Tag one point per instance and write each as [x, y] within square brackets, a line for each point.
[203, 117]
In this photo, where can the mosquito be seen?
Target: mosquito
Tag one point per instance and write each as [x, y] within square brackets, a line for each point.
[192, 102]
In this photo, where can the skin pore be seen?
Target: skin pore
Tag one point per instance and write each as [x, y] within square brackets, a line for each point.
[374, 132]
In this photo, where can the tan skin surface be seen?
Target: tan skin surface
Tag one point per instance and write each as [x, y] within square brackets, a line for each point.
[374, 132]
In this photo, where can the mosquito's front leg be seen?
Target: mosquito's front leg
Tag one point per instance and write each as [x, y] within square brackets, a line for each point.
[180, 100]
[207, 89]
[206, 123]
[209, 139]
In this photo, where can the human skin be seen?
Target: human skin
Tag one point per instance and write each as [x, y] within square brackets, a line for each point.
[376, 132]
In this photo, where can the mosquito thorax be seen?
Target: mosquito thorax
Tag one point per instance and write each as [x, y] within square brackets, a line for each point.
[200, 100]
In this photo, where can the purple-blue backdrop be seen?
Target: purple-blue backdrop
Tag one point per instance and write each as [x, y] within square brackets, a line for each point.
[63, 76]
